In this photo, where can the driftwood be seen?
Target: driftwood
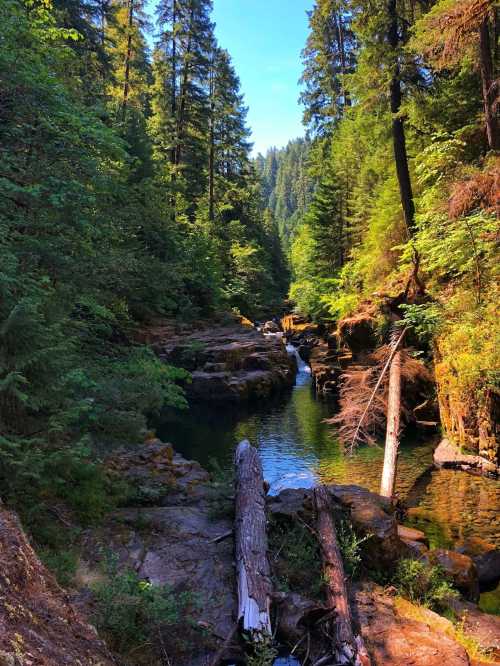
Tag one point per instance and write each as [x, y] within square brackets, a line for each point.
[252, 566]
[347, 648]
[388, 481]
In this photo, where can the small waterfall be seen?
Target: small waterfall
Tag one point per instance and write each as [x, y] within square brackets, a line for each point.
[302, 366]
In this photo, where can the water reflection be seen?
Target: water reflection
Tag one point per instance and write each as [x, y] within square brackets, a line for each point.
[297, 449]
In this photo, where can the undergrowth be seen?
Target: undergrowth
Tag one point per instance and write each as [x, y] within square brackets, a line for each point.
[135, 615]
[423, 584]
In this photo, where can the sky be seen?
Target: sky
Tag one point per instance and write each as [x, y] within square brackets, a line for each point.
[265, 38]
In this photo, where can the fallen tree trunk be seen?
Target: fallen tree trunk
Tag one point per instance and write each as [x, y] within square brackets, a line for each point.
[347, 648]
[252, 565]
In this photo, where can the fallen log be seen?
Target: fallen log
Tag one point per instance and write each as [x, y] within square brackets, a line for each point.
[252, 565]
[346, 647]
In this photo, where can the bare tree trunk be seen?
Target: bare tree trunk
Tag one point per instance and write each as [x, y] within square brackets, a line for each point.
[252, 566]
[347, 648]
[388, 481]
[487, 81]
[128, 57]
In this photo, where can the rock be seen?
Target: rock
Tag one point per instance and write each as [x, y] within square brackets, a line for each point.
[156, 471]
[294, 325]
[449, 456]
[295, 614]
[358, 332]
[488, 568]
[485, 556]
[230, 363]
[271, 327]
[402, 635]
[291, 502]
[369, 513]
[411, 534]
[482, 627]
[325, 369]
[177, 546]
[459, 568]
[38, 624]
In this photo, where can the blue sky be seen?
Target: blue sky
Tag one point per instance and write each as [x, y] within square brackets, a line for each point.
[265, 38]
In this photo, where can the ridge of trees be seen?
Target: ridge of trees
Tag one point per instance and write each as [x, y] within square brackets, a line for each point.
[128, 193]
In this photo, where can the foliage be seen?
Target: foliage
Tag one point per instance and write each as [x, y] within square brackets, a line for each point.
[132, 612]
[351, 548]
[104, 192]
[262, 652]
[421, 583]
[295, 558]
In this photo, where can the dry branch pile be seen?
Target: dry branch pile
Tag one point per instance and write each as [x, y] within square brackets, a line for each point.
[358, 385]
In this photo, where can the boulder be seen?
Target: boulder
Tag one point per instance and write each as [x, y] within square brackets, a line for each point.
[156, 472]
[38, 624]
[449, 456]
[358, 332]
[400, 635]
[486, 557]
[411, 534]
[459, 568]
[369, 513]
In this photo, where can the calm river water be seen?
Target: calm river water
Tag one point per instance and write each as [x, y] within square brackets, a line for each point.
[297, 449]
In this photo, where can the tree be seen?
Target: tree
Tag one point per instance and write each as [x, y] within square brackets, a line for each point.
[328, 59]
[451, 32]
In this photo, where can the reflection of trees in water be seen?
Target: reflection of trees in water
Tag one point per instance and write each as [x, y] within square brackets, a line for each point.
[461, 505]
[293, 439]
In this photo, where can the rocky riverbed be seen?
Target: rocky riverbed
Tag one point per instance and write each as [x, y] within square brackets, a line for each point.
[178, 532]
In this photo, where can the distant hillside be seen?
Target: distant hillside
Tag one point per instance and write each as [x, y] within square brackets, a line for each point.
[287, 186]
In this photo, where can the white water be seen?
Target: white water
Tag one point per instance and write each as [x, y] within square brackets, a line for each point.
[302, 366]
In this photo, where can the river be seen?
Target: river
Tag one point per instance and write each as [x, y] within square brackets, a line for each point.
[298, 449]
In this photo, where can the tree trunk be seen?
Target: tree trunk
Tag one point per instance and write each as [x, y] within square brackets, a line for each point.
[347, 648]
[487, 82]
[398, 131]
[173, 78]
[392, 434]
[211, 154]
[252, 566]
[128, 58]
[183, 91]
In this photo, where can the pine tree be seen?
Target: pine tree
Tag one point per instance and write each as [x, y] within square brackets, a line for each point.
[328, 59]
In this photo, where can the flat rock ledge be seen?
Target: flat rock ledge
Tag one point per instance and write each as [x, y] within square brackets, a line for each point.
[449, 456]
[228, 363]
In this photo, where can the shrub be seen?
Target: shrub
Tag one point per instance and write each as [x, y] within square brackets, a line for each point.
[424, 584]
[132, 612]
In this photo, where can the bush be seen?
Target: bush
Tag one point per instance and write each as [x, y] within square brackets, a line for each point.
[424, 584]
[351, 548]
[132, 612]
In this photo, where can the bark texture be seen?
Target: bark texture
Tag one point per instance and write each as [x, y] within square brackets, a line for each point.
[347, 648]
[252, 565]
